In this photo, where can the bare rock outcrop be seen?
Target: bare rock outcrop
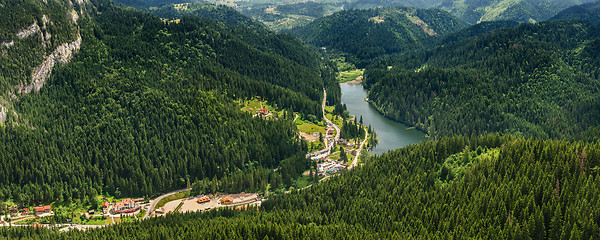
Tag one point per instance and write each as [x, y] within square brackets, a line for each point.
[29, 31]
[8, 44]
[62, 55]
[3, 112]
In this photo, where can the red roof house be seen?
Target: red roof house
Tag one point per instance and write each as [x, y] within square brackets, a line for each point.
[43, 209]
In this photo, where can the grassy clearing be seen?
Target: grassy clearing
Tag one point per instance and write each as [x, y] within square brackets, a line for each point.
[315, 146]
[302, 181]
[253, 105]
[178, 207]
[95, 221]
[309, 127]
[349, 75]
[173, 197]
[141, 214]
[350, 158]
[329, 109]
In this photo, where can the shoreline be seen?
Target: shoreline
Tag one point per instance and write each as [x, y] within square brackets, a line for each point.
[356, 81]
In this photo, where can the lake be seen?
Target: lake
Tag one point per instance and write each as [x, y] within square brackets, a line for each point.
[391, 134]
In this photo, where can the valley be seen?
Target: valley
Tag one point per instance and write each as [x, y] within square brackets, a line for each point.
[260, 119]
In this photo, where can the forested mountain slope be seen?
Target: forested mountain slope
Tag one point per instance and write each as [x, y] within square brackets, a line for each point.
[474, 11]
[538, 80]
[481, 187]
[34, 36]
[475, 30]
[589, 12]
[146, 104]
[150, 4]
[366, 34]
[365, 4]
[218, 12]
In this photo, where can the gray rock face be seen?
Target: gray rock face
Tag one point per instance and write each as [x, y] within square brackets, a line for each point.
[62, 55]
[29, 31]
[3, 113]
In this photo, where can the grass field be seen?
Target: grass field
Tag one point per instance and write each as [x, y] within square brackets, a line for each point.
[173, 197]
[309, 127]
[349, 75]
[251, 106]
[302, 182]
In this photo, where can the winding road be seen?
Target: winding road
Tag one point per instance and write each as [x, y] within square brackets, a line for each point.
[337, 129]
[156, 200]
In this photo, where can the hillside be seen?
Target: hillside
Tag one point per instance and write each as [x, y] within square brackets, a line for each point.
[484, 187]
[589, 12]
[34, 36]
[146, 105]
[474, 11]
[535, 80]
[475, 30]
[367, 34]
[284, 15]
[218, 12]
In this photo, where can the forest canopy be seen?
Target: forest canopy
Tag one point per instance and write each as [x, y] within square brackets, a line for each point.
[147, 105]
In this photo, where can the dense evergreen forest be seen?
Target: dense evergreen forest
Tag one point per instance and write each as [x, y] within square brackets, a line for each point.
[367, 34]
[480, 187]
[537, 80]
[151, 104]
[146, 105]
[200, 9]
[589, 12]
[21, 51]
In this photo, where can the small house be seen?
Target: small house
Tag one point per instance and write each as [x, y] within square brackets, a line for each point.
[227, 200]
[203, 199]
[43, 209]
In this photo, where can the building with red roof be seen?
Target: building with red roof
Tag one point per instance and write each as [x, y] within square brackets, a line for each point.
[43, 209]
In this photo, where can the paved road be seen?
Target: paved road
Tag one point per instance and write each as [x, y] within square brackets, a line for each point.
[337, 129]
[327, 149]
[355, 161]
[156, 200]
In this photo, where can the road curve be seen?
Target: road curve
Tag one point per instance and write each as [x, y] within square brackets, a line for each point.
[156, 200]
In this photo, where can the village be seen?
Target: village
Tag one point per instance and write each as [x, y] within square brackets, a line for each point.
[331, 154]
[128, 209]
[207, 202]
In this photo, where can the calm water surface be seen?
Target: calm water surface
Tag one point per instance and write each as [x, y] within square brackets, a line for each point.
[391, 134]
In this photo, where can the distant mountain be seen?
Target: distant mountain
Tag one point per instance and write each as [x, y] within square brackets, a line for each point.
[364, 4]
[475, 30]
[150, 4]
[286, 14]
[365, 34]
[589, 12]
[220, 13]
[474, 11]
